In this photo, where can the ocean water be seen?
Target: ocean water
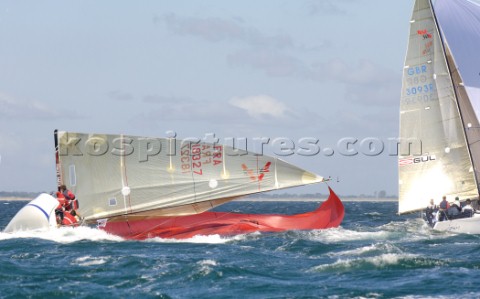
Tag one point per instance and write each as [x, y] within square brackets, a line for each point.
[374, 254]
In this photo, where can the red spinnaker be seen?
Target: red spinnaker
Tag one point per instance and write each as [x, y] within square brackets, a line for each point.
[329, 214]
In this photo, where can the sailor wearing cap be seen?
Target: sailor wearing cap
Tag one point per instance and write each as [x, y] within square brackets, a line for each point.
[468, 207]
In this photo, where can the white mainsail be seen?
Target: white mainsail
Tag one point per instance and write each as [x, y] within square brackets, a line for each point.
[114, 175]
[460, 25]
[435, 112]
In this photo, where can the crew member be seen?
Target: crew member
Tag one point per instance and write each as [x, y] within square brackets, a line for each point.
[442, 209]
[71, 202]
[429, 212]
[59, 211]
[468, 209]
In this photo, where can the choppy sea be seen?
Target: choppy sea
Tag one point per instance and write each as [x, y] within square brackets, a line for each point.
[374, 254]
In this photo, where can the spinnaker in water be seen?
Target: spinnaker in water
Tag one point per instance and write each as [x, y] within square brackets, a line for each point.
[142, 187]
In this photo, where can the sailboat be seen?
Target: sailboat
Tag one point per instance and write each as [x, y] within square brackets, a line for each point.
[138, 187]
[439, 112]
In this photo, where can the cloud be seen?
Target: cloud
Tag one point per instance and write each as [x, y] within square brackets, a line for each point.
[326, 7]
[237, 111]
[159, 99]
[120, 96]
[217, 30]
[272, 62]
[14, 108]
[10, 143]
[165, 108]
[184, 108]
[365, 82]
[260, 105]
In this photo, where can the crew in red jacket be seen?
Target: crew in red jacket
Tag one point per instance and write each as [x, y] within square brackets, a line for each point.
[59, 211]
[71, 215]
[71, 201]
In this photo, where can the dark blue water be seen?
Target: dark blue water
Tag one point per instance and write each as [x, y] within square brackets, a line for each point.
[374, 254]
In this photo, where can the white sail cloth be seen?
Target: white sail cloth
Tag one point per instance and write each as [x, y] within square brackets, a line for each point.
[435, 112]
[115, 175]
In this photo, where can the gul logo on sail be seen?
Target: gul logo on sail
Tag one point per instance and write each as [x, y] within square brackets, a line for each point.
[416, 160]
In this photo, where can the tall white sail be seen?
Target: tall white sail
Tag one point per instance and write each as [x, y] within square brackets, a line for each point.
[115, 175]
[460, 25]
[431, 117]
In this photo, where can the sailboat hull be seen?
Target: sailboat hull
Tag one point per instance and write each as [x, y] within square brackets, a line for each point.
[329, 214]
[464, 225]
[38, 214]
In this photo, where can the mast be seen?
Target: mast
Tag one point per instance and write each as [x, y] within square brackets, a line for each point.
[58, 167]
[447, 60]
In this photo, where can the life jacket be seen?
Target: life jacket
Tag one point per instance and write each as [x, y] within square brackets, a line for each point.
[453, 210]
[75, 204]
[68, 195]
[444, 205]
[69, 220]
[71, 202]
[430, 210]
[61, 201]
[68, 205]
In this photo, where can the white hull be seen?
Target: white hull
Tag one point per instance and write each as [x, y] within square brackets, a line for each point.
[463, 225]
[39, 214]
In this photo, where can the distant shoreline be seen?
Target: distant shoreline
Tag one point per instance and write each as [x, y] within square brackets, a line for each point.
[13, 198]
[368, 199]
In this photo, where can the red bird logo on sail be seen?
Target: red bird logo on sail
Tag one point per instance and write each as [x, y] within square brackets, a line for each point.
[253, 176]
[424, 33]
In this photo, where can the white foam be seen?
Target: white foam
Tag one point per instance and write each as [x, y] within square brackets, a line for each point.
[90, 261]
[64, 235]
[67, 235]
[206, 267]
[365, 250]
[396, 231]
[373, 214]
[208, 263]
[335, 235]
[200, 239]
[379, 261]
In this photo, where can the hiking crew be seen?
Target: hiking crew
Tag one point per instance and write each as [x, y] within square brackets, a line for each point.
[66, 210]
[449, 211]
[442, 209]
[59, 211]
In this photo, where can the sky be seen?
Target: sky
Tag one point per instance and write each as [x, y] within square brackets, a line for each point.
[328, 70]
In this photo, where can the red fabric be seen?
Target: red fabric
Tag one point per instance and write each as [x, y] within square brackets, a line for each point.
[75, 204]
[329, 214]
[69, 220]
[71, 195]
[61, 201]
[69, 204]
